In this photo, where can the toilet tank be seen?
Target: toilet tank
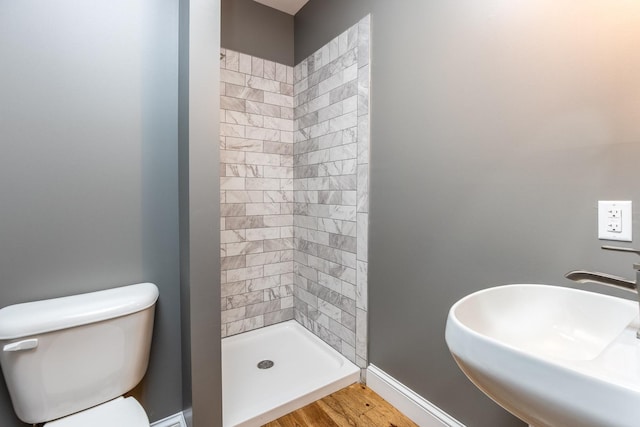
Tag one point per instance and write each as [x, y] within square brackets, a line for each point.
[64, 355]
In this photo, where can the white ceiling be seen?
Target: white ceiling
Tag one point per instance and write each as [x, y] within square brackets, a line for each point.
[288, 6]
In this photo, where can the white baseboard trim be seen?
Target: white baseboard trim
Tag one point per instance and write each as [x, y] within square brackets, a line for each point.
[414, 406]
[176, 420]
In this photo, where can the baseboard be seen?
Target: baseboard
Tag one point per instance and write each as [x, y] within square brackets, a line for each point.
[414, 406]
[176, 420]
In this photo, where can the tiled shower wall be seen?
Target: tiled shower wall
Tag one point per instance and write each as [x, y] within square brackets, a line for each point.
[256, 151]
[295, 215]
[331, 180]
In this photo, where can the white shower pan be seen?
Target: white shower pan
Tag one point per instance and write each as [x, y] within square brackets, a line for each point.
[304, 370]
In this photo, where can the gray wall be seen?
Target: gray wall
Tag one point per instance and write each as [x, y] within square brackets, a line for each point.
[318, 22]
[88, 171]
[200, 210]
[496, 127]
[255, 29]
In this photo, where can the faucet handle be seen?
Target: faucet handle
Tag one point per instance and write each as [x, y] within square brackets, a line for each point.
[621, 249]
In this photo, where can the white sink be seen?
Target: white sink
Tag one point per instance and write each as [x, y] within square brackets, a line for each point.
[551, 356]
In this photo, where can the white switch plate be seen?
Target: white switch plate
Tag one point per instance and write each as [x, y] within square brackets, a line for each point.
[614, 220]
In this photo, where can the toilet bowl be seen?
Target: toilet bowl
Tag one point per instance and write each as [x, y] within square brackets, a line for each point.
[68, 361]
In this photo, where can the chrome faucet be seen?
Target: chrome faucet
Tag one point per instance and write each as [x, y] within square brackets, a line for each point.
[582, 276]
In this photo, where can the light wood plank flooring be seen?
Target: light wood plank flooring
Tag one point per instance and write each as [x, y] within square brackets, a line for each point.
[356, 405]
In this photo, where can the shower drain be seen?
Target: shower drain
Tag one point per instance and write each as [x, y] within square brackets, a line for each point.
[265, 364]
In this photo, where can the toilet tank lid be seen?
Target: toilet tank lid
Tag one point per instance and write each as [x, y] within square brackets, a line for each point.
[31, 318]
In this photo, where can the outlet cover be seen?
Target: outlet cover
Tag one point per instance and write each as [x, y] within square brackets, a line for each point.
[614, 220]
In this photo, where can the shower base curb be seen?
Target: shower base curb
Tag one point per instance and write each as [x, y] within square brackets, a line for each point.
[410, 403]
[289, 345]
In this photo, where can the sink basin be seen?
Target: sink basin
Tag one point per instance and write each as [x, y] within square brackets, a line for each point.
[551, 356]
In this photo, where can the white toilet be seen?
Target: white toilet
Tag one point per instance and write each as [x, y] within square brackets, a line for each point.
[68, 361]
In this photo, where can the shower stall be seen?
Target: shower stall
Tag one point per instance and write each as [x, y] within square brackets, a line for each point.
[294, 150]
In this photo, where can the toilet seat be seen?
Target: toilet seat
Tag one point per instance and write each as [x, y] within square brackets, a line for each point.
[120, 412]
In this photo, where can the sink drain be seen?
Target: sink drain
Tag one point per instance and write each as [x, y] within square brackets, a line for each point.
[265, 364]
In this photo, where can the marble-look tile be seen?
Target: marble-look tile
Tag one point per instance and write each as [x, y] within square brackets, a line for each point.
[263, 184]
[278, 316]
[343, 152]
[233, 262]
[262, 208]
[350, 104]
[233, 288]
[278, 244]
[287, 113]
[363, 188]
[363, 240]
[262, 133]
[341, 242]
[245, 325]
[229, 129]
[343, 43]
[286, 89]
[309, 299]
[232, 183]
[278, 220]
[278, 196]
[289, 75]
[363, 139]
[361, 333]
[255, 82]
[244, 144]
[231, 60]
[244, 63]
[231, 157]
[262, 307]
[232, 236]
[233, 209]
[277, 123]
[352, 37]
[282, 172]
[240, 118]
[242, 300]
[233, 315]
[287, 303]
[278, 268]
[239, 274]
[342, 182]
[244, 248]
[348, 321]
[361, 285]
[349, 198]
[281, 73]
[363, 40]
[242, 196]
[343, 92]
[278, 99]
[235, 104]
[244, 92]
[244, 222]
[262, 283]
[348, 351]
[259, 234]
[233, 77]
[269, 70]
[332, 283]
[250, 171]
[363, 90]
[257, 67]
[341, 331]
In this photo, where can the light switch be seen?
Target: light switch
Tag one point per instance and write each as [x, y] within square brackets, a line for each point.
[614, 220]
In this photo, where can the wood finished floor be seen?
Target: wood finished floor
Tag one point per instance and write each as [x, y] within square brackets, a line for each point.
[356, 405]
